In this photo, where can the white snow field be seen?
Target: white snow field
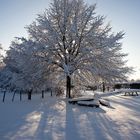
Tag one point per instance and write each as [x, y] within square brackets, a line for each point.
[55, 119]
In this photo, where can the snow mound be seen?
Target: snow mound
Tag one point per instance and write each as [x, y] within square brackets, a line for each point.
[93, 103]
[82, 98]
[104, 102]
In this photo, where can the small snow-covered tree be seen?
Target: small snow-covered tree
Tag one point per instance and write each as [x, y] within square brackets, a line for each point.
[25, 70]
[2, 77]
[78, 44]
[1, 56]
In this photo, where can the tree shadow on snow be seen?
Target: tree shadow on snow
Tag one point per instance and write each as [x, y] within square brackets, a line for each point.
[56, 119]
[78, 126]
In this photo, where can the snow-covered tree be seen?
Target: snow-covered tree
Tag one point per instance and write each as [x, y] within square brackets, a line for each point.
[1, 65]
[78, 44]
[22, 69]
[1, 56]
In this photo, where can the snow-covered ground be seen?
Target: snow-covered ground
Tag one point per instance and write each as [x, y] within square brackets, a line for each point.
[55, 119]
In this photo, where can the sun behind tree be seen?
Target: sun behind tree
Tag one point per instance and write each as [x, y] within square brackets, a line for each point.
[78, 45]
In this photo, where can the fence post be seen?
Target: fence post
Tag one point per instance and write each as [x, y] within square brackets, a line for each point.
[4, 95]
[20, 95]
[13, 96]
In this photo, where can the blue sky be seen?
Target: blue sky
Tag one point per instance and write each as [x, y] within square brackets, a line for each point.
[122, 14]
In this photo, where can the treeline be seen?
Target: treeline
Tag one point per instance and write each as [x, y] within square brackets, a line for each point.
[127, 85]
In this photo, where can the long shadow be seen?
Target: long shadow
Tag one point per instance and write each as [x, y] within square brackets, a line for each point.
[128, 103]
[77, 125]
[56, 119]
[135, 99]
[71, 130]
[103, 127]
[15, 122]
[52, 123]
[40, 131]
[108, 128]
[39, 121]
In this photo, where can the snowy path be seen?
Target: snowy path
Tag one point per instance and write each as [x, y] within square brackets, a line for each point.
[52, 119]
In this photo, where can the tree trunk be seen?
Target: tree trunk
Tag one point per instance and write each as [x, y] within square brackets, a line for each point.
[4, 96]
[29, 94]
[42, 94]
[13, 96]
[103, 87]
[68, 86]
[20, 95]
[51, 92]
